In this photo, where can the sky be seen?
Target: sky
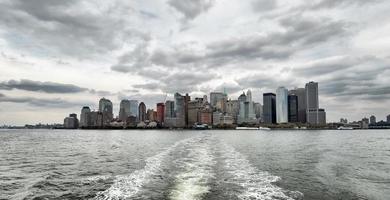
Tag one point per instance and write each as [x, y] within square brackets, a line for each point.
[57, 56]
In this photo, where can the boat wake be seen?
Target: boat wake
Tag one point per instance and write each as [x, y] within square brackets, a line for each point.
[200, 167]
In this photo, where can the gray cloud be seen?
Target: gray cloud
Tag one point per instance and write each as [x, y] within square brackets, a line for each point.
[37, 86]
[191, 8]
[264, 5]
[67, 27]
[328, 4]
[41, 102]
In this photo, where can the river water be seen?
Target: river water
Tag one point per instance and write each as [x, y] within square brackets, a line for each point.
[162, 164]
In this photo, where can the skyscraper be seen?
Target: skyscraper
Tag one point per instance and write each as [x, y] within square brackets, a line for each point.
[124, 110]
[105, 107]
[142, 112]
[218, 101]
[314, 115]
[247, 109]
[301, 95]
[281, 105]
[134, 108]
[160, 112]
[180, 110]
[292, 108]
[269, 108]
[84, 116]
[372, 119]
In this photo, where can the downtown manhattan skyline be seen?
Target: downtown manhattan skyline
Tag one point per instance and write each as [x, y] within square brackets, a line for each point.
[56, 57]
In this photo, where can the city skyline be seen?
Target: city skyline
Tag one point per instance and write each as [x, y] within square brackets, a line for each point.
[57, 57]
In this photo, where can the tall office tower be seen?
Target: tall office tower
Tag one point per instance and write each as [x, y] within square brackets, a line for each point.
[372, 119]
[249, 96]
[388, 118]
[194, 108]
[169, 109]
[301, 95]
[105, 106]
[134, 108]
[281, 105]
[180, 110]
[242, 97]
[160, 112]
[233, 108]
[71, 122]
[142, 112]
[269, 108]
[292, 108]
[84, 117]
[187, 99]
[258, 110]
[314, 115]
[124, 110]
[169, 119]
[218, 101]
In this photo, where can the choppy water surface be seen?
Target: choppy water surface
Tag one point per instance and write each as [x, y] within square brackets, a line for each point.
[284, 165]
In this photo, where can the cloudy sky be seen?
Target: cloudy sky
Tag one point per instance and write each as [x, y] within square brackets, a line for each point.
[56, 56]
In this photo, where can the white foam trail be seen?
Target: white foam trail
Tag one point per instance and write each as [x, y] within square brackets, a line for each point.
[197, 171]
[128, 186]
[256, 184]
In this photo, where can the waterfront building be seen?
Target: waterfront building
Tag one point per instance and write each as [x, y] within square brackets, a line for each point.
[313, 113]
[233, 108]
[281, 105]
[84, 116]
[372, 119]
[292, 108]
[365, 123]
[105, 106]
[187, 99]
[301, 95]
[218, 101]
[222, 119]
[180, 110]
[246, 110]
[95, 119]
[388, 119]
[124, 110]
[150, 115]
[169, 119]
[194, 109]
[206, 115]
[142, 112]
[134, 108]
[71, 122]
[258, 111]
[160, 113]
[269, 108]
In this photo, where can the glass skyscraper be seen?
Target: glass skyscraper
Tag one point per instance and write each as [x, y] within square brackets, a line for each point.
[281, 105]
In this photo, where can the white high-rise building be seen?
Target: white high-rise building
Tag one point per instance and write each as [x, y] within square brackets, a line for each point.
[281, 105]
[249, 96]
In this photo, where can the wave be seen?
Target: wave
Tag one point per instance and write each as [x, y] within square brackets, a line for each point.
[130, 185]
[255, 184]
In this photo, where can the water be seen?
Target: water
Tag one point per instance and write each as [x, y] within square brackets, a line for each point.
[81, 164]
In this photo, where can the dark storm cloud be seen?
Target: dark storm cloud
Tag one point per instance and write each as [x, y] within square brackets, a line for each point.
[41, 102]
[67, 27]
[37, 86]
[191, 8]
